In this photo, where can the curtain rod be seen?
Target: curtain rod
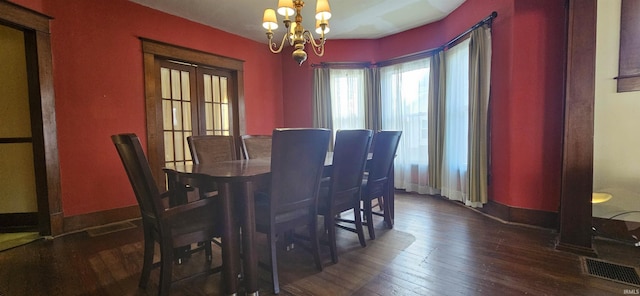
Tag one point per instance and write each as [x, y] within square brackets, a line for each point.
[488, 19]
[342, 64]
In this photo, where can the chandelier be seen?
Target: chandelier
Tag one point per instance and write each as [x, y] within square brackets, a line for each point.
[296, 35]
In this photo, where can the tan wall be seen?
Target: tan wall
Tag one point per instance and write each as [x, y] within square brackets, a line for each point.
[616, 160]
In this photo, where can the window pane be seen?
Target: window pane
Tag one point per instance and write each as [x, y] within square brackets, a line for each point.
[177, 115]
[179, 145]
[223, 90]
[186, 112]
[347, 98]
[217, 121]
[167, 115]
[216, 89]
[207, 88]
[165, 82]
[175, 84]
[186, 93]
[224, 117]
[168, 147]
[209, 116]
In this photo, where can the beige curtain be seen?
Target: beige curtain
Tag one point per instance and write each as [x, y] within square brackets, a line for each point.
[321, 98]
[435, 117]
[479, 89]
[373, 114]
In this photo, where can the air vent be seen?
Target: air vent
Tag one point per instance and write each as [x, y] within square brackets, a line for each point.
[611, 271]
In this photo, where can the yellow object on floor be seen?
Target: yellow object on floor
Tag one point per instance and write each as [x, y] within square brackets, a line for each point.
[12, 240]
[598, 197]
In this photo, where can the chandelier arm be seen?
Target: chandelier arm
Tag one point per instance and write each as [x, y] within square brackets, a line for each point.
[318, 47]
[274, 48]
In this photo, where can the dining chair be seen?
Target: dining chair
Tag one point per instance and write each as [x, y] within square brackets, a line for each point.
[210, 149]
[171, 227]
[256, 146]
[375, 184]
[342, 191]
[297, 163]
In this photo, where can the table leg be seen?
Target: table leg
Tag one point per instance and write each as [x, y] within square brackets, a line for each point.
[389, 199]
[248, 240]
[230, 237]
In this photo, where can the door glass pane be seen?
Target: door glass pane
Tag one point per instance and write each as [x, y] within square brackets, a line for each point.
[223, 90]
[168, 147]
[186, 94]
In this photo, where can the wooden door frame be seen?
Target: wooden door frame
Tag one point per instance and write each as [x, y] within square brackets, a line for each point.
[153, 50]
[575, 234]
[42, 105]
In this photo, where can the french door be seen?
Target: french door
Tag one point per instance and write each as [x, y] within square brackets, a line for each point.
[188, 92]
[195, 101]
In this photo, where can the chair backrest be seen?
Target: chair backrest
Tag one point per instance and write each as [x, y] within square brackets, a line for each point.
[256, 146]
[349, 158]
[297, 163]
[210, 148]
[139, 173]
[384, 152]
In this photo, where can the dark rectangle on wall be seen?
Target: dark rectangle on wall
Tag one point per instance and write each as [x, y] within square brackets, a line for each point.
[18, 222]
[629, 63]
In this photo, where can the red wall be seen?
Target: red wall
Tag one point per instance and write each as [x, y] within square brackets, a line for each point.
[98, 80]
[99, 89]
[526, 95]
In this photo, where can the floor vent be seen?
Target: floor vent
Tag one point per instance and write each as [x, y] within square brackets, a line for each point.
[611, 271]
[102, 230]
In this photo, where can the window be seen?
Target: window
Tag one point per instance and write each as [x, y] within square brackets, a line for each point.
[629, 65]
[347, 98]
[456, 122]
[405, 91]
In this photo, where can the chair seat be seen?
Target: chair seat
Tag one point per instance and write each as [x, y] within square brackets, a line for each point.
[262, 212]
[199, 220]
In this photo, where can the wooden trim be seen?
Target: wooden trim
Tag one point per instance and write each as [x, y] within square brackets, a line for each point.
[24, 17]
[42, 99]
[190, 55]
[520, 215]
[79, 222]
[577, 163]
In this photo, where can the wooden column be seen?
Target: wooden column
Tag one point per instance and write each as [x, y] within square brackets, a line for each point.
[577, 163]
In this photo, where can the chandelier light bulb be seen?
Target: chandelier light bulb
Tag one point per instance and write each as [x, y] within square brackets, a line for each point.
[295, 34]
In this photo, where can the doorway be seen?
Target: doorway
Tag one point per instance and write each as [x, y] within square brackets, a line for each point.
[30, 137]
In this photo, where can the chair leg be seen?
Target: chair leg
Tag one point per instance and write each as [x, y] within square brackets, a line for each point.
[358, 224]
[274, 263]
[331, 227]
[166, 266]
[207, 251]
[315, 244]
[147, 263]
[369, 218]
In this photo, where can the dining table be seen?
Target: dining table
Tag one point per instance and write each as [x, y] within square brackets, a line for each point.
[236, 182]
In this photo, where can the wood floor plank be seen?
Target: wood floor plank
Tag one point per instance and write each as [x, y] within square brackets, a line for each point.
[437, 247]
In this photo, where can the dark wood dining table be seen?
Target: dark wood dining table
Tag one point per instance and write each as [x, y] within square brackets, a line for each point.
[236, 182]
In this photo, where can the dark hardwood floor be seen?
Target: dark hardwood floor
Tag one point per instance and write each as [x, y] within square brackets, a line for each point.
[438, 247]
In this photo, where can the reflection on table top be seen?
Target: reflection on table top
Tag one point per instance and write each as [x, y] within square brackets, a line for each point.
[233, 168]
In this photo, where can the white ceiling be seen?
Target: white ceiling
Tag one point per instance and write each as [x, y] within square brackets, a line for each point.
[351, 19]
